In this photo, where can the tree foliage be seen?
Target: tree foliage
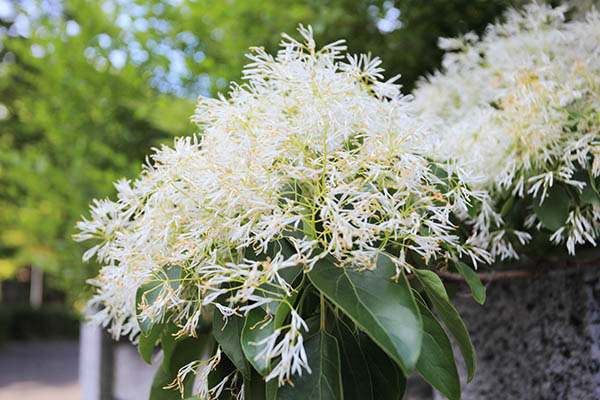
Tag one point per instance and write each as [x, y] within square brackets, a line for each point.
[71, 127]
[87, 87]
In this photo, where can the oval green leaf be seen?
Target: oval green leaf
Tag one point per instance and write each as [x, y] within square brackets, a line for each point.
[256, 328]
[385, 310]
[149, 292]
[436, 363]
[472, 279]
[146, 343]
[177, 353]
[554, 210]
[356, 380]
[325, 381]
[439, 298]
[228, 335]
[387, 380]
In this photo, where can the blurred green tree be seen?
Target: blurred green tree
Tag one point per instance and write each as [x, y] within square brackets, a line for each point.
[212, 36]
[72, 122]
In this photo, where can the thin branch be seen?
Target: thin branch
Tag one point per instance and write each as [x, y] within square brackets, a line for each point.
[540, 268]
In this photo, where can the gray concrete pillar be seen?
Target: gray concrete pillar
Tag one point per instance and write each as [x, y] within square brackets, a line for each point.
[96, 359]
[536, 337]
[36, 292]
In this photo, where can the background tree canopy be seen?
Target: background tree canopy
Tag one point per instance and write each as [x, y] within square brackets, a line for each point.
[88, 87]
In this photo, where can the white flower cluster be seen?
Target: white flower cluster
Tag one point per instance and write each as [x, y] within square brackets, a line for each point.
[313, 142]
[518, 109]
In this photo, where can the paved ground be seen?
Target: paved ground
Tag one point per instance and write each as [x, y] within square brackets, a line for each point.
[39, 370]
[48, 370]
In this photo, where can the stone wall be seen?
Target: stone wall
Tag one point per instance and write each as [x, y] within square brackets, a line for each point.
[536, 338]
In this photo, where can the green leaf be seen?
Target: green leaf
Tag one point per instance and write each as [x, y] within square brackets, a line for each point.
[177, 353]
[438, 171]
[356, 379]
[477, 289]
[229, 337]
[589, 193]
[288, 274]
[284, 309]
[436, 363]
[146, 343]
[382, 308]
[474, 208]
[161, 379]
[554, 211]
[223, 369]
[256, 328]
[387, 380]
[254, 388]
[308, 228]
[439, 298]
[576, 109]
[252, 332]
[507, 206]
[271, 388]
[282, 246]
[180, 351]
[150, 291]
[325, 381]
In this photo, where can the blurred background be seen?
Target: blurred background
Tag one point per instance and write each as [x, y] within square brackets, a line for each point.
[87, 88]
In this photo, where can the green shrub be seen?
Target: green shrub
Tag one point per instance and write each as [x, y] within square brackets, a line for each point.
[23, 322]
